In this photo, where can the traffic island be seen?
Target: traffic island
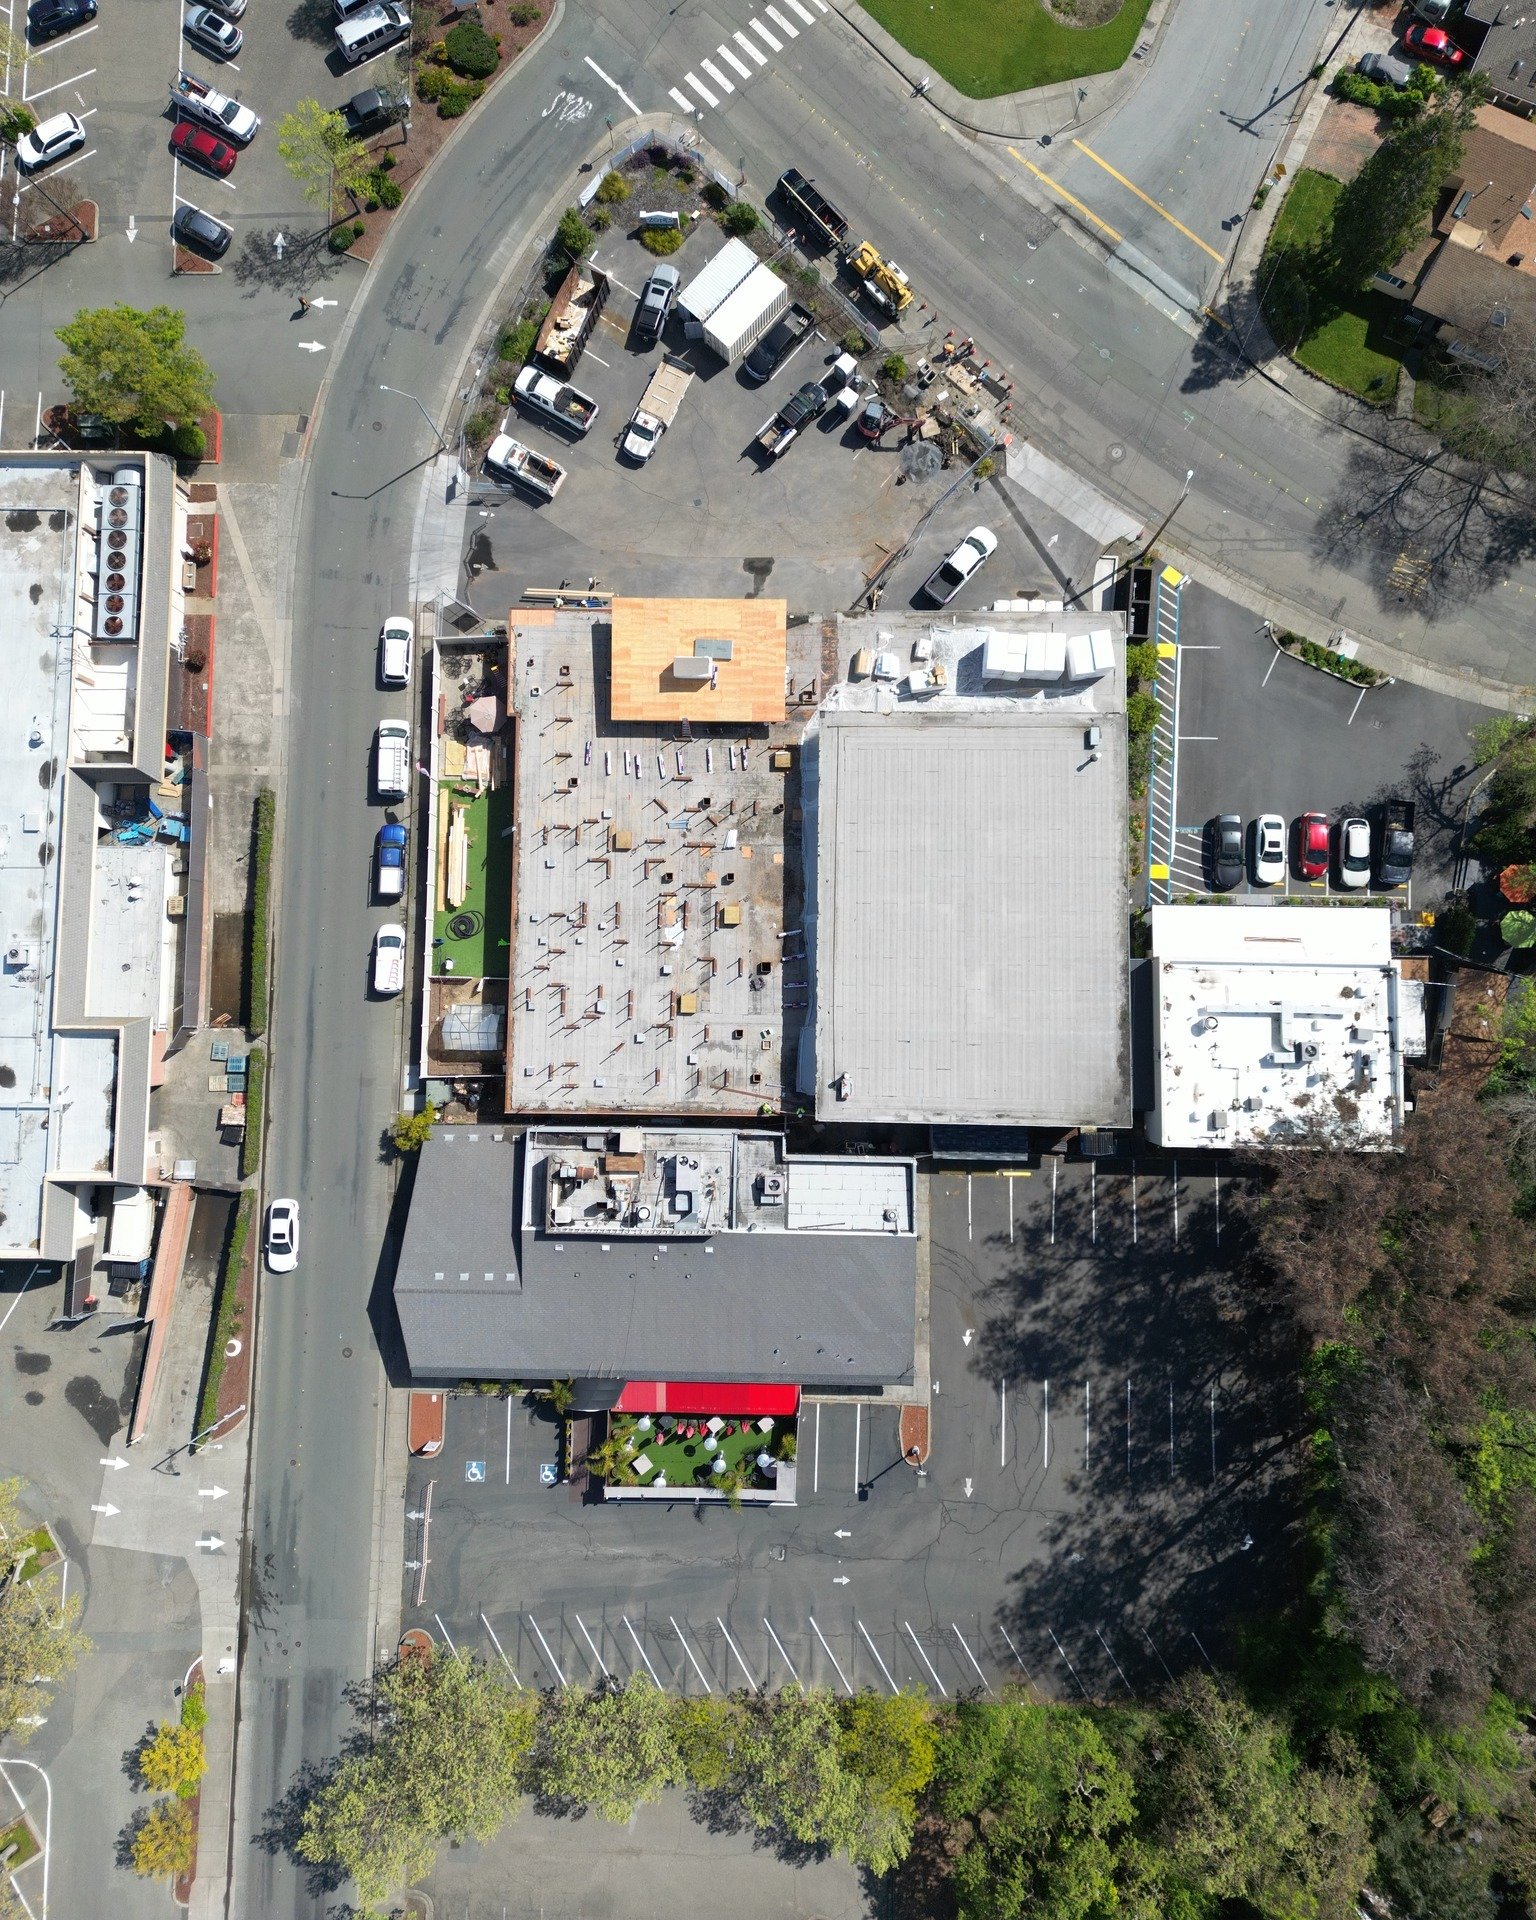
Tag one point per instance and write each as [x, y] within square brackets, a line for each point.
[1339, 662]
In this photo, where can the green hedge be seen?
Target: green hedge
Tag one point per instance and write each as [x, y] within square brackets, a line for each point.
[255, 1091]
[224, 1311]
[259, 933]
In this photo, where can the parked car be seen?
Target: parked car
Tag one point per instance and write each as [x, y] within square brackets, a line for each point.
[777, 344]
[1354, 845]
[1434, 43]
[389, 860]
[1268, 850]
[231, 9]
[1224, 852]
[1312, 846]
[397, 640]
[1385, 68]
[368, 111]
[46, 19]
[389, 959]
[199, 231]
[202, 148]
[656, 298]
[211, 31]
[952, 572]
[52, 140]
[283, 1236]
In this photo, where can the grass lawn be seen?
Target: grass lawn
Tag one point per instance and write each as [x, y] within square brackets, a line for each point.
[1308, 210]
[40, 1541]
[688, 1462]
[987, 47]
[20, 1836]
[484, 953]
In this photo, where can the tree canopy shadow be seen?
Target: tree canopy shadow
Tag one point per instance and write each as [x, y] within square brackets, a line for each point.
[285, 1825]
[305, 261]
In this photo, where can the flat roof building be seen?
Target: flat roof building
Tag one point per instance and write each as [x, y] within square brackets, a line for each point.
[637, 1254]
[971, 911]
[710, 662]
[1279, 1025]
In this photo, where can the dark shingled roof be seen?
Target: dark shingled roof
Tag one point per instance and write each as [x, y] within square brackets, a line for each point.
[818, 1309]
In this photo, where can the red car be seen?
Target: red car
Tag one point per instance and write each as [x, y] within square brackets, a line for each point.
[1312, 845]
[1434, 43]
[202, 148]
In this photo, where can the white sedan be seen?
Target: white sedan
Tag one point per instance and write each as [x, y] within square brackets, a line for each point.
[283, 1236]
[389, 959]
[61, 135]
[1354, 852]
[951, 574]
[396, 644]
[1268, 850]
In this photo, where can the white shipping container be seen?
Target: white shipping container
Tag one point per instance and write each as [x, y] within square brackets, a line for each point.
[747, 314]
[716, 282]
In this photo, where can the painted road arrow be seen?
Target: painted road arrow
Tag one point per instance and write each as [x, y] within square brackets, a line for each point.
[108, 1510]
[212, 1493]
[133, 228]
[324, 303]
[116, 1463]
[278, 243]
[311, 346]
[211, 1542]
[840, 1580]
[967, 1489]
[842, 1533]
[969, 1335]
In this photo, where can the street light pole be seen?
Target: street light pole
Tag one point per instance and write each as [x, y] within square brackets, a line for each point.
[1162, 525]
[401, 394]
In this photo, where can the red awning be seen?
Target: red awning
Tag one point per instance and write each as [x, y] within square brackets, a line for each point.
[705, 1396]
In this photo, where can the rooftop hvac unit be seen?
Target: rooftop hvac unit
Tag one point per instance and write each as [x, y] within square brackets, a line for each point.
[772, 1190]
[119, 557]
[563, 1216]
[19, 954]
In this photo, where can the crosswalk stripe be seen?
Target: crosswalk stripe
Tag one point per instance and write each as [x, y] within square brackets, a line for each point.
[823, 5]
[740, 65]
[756, 52]
[701, 90]
[682, 99]
[784, 25]
[804, 12]
[726, 86]
[763, 33]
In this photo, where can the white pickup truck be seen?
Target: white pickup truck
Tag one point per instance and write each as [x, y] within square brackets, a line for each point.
[198, 101]
[552, 397]
[509, 459]
[656, 411]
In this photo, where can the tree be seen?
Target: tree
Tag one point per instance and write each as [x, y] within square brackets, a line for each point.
[443, 1757]
[610, 1749]
[165, 1844]
[1041, 1807]
[608, 1459]
[38, 1635]
[887, 1746]
[320, 154]
[792, 1778]
[412, 1131]
[172, 1760]
[707, 1733]
[1240, 1818]
[1382, 211]
[132, 368]
[573, 236]
[14, 55]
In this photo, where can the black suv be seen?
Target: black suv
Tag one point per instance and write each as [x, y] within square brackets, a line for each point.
[201, 232]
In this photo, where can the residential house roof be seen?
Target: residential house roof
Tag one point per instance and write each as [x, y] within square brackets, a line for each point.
[1475, 297]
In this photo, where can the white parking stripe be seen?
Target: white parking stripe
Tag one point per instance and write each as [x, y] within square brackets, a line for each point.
[784, 1656]
[725, 86]
[559, 1675]
[740, 65]
[830, 1654]
[607, 1675]
[642, 1652]
[764, 34]
[876, 1652]
[497, 1645]
[970, 1656]
[682, 99]
[784, 25]
[43, 92]
[737, 1651]
[756, 53]
[943, 1693]
[701, 90]
[691, 1661]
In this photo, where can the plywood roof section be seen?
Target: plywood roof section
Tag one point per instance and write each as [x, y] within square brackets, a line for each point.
[648, 635]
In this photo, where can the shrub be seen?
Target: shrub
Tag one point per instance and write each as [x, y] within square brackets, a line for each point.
[854, 342]
[433, 82]
[685, 176]
[715, 196]
[1455, 928]
[662, 240]
[517, 342]
[741, 217]
[263, 834]
[411, 1131]
[522, 15]
[194, 1706]
[188, 441]
[224, 1311]
[165, 1844]
[985, 468]
[457, 101]
[1141, 661]
[387, 163]
[340, 240]
[893, 367]
[471, 51]
[808, 277]
[1141, 712]
[15, 121]
[390, 193]
[598, 219]
[172, 1760]
[573, 236]
[613, 188]
[255, 1087]
[480, 425]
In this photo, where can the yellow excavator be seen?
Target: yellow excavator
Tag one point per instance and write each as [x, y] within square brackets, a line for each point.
[882, 280]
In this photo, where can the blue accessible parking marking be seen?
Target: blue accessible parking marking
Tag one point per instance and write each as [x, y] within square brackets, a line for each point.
[474, 1471]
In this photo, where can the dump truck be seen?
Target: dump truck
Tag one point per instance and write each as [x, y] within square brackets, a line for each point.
[509, 459]
[556, 400]
[813, 209]
[775, 434]
[229, 117]
[1394, 858]
[573, 313]
[656, 412]
[883, 281]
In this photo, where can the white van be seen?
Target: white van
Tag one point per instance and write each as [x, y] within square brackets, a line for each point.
[392, 760]
[371, 31]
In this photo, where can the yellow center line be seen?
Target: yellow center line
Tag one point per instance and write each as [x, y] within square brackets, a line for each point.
[1131, 187]
[1070, 198]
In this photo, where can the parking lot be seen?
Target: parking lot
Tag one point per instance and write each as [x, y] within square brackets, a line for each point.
[1105, 1490]
[1262, 732]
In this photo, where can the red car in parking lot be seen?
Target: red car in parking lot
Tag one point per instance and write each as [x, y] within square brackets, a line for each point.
[202, 148]
[1312, 845]
[1434, 43]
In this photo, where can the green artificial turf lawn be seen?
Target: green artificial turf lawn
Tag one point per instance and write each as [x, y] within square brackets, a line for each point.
[486, 953]
[987, 47]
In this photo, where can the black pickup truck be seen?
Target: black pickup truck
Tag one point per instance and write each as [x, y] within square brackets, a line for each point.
[797, 411]
[1394, 855]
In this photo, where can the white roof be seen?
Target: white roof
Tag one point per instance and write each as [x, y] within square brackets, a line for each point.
[721, 276]
[746, 303]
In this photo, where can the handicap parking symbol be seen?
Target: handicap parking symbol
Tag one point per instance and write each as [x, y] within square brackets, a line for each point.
[474, 1471]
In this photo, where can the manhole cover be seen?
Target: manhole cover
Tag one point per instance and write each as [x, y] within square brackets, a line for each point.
[378, 426]
[1117, 452]
[346, 1353]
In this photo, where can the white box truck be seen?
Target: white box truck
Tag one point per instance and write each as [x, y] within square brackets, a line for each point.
[744, 316]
